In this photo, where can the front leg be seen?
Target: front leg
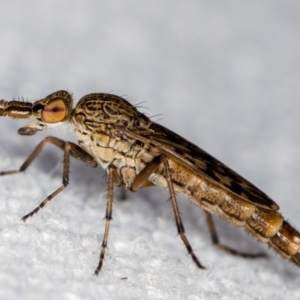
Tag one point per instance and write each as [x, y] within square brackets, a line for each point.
[70, 149]
[74, 150]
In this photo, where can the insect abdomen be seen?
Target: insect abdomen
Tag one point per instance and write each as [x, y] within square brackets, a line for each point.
[286, 242]
[265, 225]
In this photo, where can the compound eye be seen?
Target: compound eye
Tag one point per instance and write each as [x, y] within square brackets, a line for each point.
[55, 111]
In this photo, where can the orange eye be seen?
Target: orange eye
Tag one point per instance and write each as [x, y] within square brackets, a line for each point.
[55, 111]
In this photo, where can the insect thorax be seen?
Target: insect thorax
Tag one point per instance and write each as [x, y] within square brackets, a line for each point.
[102, 143]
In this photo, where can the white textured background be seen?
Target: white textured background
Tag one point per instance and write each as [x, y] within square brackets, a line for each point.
[224, 74]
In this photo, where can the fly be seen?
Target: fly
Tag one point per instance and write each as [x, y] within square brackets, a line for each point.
[137, 152]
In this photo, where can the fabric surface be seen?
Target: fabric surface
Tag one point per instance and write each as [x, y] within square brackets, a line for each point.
[225, 75]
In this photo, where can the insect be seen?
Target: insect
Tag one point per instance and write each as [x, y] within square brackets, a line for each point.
[138, 153]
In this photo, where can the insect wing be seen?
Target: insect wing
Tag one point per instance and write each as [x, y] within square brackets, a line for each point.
[179, 149]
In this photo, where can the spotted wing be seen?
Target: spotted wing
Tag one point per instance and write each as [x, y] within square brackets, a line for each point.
[184, 152]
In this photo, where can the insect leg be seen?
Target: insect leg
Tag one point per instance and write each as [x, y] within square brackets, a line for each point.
[178, 220]
[75, 151]
[112, 178]
[141, 180]
[69, 149]
[215, 240]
